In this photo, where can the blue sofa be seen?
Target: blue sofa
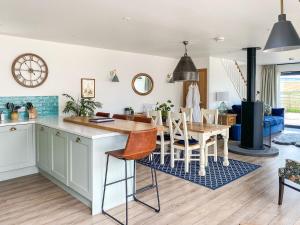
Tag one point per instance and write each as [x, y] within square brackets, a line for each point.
[275, 120]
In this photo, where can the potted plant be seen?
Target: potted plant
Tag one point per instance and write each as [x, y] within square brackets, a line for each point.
[32, 113]
[164, 108]
[13, 109]
[81, 106]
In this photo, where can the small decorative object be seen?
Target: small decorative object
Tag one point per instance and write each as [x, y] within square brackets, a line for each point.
[87, 88]
[170, 78]
[267, 109]
[29, 70]
[222, 97]
[129, 111]
[81, 107]
[2, 116]
[114, 77]
[14, 114]
[164, 108]
[142, 84]
[32, 113]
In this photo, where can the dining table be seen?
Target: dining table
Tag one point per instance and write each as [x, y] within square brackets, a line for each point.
[203, 132]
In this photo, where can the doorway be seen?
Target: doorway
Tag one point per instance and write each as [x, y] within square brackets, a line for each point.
[290, 97]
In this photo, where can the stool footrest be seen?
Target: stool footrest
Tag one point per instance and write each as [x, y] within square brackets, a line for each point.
[146, 188]
[119, 181]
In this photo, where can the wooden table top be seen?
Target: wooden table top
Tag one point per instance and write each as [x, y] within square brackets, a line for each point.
[204, 127]
[121, 126]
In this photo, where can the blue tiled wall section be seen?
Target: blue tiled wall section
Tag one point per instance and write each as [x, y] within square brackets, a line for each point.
[45, 105]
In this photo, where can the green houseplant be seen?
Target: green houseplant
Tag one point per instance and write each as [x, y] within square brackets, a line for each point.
[164, 108]
[81, 106]
[32, 113]
[13, 109]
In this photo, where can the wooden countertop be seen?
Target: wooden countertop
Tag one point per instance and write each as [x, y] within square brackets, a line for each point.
[121, 126]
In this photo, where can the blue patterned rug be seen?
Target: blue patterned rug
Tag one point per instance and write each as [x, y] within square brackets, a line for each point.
[217, 175]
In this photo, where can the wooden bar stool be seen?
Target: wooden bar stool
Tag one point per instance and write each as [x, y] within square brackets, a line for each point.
[120, 117]
[142, 119]
[139, 145]
[103, 114]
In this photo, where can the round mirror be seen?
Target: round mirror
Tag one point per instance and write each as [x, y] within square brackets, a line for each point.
[142, 84]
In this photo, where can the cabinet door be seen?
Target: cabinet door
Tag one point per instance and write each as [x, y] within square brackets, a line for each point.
[43, 148]
[59, 151]
[17, 149]
[80, 165]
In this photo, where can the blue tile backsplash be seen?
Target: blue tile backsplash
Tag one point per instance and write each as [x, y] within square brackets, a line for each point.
[45, 105]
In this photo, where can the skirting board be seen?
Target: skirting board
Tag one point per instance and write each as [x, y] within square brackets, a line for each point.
[18, 173]
[67, 189]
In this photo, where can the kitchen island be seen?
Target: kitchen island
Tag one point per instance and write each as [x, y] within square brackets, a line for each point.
[70, 155]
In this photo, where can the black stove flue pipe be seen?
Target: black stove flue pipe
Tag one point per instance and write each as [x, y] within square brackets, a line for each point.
[252, 110]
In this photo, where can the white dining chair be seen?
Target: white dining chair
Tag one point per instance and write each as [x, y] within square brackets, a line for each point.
[211, 117]
[188, 112]
[180, 140]
[163, 139]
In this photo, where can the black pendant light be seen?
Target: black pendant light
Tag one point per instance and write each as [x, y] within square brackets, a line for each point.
[283, 36]
[185, 69]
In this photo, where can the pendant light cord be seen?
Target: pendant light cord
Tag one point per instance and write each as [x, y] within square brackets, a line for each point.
[185, 47]
[282, 9]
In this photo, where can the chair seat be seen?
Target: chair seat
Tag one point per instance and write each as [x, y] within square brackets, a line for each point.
[166, 137]
[120, 155]
[191, 142]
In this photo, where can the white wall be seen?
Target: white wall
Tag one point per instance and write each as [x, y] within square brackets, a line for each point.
[218, 81]
[69, 63]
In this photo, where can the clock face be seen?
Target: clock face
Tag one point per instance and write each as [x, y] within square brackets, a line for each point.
[29, 70]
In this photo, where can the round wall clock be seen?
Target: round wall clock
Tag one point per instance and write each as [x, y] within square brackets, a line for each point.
[29, 70]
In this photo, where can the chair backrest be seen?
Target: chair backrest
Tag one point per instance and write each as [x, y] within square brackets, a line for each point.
[142, 119]
[140, 144]
[103, 114]
[156, 117]
[188, 112]
[210, 115]
[178, 127]
[120, 117]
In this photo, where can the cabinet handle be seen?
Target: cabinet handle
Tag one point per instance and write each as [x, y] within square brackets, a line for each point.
[13, 129]
[57, 133]
[78, 140]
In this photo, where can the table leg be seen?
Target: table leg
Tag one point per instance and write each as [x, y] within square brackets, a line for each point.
[186, 160]
[162, 149]
[202, 171]
[226, 137]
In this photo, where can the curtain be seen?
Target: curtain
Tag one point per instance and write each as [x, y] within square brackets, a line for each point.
[269, 85]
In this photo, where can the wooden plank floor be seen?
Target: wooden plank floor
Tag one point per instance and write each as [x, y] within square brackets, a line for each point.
[250, 200]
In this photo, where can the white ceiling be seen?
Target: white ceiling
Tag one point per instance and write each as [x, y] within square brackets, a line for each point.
[156, 27]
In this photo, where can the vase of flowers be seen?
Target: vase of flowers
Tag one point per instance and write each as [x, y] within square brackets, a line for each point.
[81, 106]
[164, 108]
[13, 109]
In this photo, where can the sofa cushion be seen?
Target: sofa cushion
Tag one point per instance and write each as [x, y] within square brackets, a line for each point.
[278, 112]
[273, 120]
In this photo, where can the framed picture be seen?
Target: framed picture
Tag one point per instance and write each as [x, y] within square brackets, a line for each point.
[87, 88]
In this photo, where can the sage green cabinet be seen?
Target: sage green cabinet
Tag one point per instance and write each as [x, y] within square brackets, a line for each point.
[59, 153]
[43, 148]
[17, 148]
[80, 164]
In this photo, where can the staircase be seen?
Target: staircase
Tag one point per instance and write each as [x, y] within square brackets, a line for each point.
[236, 76]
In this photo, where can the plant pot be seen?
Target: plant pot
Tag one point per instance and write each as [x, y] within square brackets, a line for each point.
[14, 116]
[32, 113]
